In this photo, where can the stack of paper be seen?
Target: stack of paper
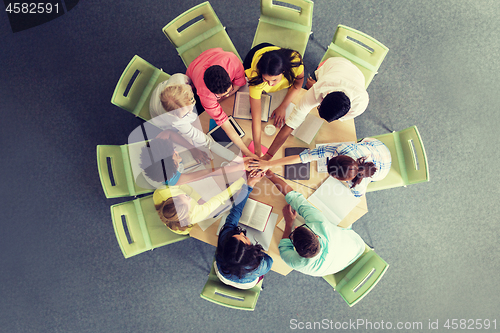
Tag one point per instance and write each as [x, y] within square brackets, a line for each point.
[308, 129]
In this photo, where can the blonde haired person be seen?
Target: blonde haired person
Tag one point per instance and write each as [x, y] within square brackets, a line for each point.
[172, 107]
[180, 207]
[176, 96]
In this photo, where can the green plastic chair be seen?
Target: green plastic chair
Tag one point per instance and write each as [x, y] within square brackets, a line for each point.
[365, 52]
[409, 161]
[138, 227]
[283, 26]
[206, 33]
[116, 172]
[133, 90]
[356, 280]
[217, 292]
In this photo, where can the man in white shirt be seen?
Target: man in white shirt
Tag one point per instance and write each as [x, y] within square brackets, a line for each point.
[339, 94]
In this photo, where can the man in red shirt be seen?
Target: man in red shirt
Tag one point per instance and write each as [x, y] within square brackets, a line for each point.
[217, 74]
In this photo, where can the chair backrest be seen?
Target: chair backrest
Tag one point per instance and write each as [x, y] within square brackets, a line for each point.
[288, 16]
[217, 292]
[358, 279]
[138, 227]
[285, 24]
[364, 51]
[409, 160]
[115, 172]
[415, 158]
[205, 33]
[133, 90]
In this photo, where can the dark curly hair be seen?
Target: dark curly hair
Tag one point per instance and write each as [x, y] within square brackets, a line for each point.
[276, 62]
[334, 106]
[216, 79]
[235, 257]
[157, 161]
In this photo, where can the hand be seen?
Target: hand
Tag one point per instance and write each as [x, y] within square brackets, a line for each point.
[164, 135]
[247, 163]
[252, 180]
[262, 165]
[199, 156]
[201, 201]
[310, 82]
[289, 214]
[279, 116]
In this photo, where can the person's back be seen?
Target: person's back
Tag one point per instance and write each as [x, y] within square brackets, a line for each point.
[240, 263]
[337, 248]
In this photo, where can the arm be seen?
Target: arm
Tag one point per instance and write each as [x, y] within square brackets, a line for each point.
[280, 112]
[193, 176]
[304, 208]
[201, 212]
[264, 165]
[321, 152]
[289, 215]
[290, 256]
[231, 133]
[256, 110]
[279, 140]
[175, 137]
[190, 192]
[280, 184]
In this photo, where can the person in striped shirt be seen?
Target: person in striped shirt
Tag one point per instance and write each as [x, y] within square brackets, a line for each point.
[356, 163]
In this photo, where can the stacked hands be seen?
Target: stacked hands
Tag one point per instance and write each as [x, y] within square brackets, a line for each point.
[256, 166]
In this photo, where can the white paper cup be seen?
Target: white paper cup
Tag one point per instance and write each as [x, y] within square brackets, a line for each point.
[270, 130]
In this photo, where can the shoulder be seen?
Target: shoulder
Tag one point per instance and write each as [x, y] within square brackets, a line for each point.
[177, 78]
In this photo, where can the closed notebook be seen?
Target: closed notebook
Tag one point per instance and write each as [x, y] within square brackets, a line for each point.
[299, 171]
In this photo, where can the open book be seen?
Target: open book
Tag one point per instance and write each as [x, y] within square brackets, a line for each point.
[241, 108]
[334, 200]
[263, 238]
[308, 129]
[256, 214]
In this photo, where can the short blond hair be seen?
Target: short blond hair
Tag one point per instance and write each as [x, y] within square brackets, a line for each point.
[176, 96]
[170, 215]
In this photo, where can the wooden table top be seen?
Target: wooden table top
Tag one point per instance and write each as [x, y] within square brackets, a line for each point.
[265, 191]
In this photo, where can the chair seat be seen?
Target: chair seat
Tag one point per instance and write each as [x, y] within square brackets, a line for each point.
[217, 292]
[146, 230]
[356, 280]
[394, 177]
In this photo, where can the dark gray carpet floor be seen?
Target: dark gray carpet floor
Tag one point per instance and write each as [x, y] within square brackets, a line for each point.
[61, 267]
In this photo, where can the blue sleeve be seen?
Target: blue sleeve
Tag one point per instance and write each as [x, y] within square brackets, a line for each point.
[174, 179]
[303, 207]
[265, 265]
[234, 215]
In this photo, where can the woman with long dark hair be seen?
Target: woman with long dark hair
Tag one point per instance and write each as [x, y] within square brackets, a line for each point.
[238, 262]
[270, 68]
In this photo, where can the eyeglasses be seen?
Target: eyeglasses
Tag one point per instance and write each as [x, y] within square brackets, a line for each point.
[303, 225]
[226, 94]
